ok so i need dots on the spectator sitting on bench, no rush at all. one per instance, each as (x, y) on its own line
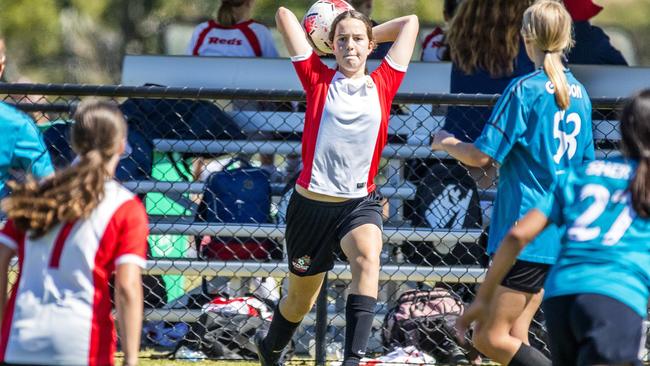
(235, 34)
(592, 46)
(434, 47)
(487, 52)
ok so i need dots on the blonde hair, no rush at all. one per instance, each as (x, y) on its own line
(484, 34)
(225, 14)
(548, 25)
(76, 191)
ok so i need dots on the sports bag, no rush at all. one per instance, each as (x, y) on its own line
(226, 327)
(237, 195)
(425, 319)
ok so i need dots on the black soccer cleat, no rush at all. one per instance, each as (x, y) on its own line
(267, 358)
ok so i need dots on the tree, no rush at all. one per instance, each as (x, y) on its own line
(81, 41)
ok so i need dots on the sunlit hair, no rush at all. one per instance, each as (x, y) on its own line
(225, 14)
(548, 25)
(350, 14)
(484, 34)
(635, 144)
(74, 192)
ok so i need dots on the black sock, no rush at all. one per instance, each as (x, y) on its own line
(529, 356)
(280, 333)
(359, 314)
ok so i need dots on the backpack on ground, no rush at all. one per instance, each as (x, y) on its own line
(425, 319)
(226, 327)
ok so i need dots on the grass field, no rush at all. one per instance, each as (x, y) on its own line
(149, 357)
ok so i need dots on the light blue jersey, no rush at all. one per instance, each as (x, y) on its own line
(606, 247)
(534, 141)
(21, 146)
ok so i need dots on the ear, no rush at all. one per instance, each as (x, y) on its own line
(372, 45)
(122, 147)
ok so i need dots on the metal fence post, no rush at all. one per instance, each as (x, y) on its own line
(321, 324)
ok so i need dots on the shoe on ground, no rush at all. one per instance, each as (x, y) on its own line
(266, 357)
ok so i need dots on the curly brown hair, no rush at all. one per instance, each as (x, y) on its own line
(484, 34)
(76, 191)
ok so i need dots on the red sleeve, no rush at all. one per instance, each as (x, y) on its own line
(10, 236)
(310, 70)
(132, 227)
(388, 77)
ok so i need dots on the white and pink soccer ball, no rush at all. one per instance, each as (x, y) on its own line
(318, 21)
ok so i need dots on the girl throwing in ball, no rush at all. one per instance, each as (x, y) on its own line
(335, 204)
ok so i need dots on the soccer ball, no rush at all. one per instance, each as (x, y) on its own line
(318, 21)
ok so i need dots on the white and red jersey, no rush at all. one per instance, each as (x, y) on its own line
(433, 46)
(246, 39)
(59, 312)
(346, 126)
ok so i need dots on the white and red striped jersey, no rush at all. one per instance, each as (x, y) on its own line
(59, 311)
(433, 46)
(346, 126)
(246, 39)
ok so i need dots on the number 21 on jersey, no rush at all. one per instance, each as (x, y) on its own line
(582, 229)
(568, 143)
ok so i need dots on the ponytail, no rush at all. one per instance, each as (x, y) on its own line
(97, 135)
(226, 14)
(640, 187)
(635, 144)
(548, 25)
(71, 194)
(554, 69)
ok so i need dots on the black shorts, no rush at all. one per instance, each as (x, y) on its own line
(590, 329)
(526, 276)
(315, 229)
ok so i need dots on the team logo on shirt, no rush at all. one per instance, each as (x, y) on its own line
(231, 41)
(369, 83)
(301, 264)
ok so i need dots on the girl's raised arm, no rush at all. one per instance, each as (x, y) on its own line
(403, 32)
(294, 36)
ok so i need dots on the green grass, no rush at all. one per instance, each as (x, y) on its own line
(150, 357)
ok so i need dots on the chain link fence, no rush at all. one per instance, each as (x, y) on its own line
(215, 169)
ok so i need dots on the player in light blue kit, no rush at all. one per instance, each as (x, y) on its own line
(539, 129)
(21, 144)
(597, 292)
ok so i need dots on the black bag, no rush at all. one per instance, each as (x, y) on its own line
(447, 198)
(229, 334)
(225, 337)
(425, 319)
